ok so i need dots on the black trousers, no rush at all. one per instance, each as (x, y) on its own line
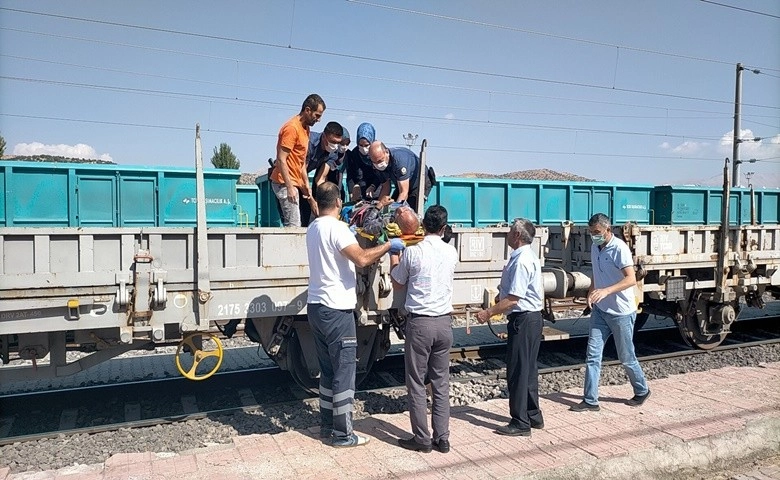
(522, 370)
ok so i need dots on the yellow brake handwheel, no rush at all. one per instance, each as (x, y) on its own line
(199, 355)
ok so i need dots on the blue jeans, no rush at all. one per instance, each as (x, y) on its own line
(602, 325)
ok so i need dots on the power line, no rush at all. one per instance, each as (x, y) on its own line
(366, 112)
(550, 35)
(759, 123)
(430, 145)
(718, 115)
(373, 59)
(741, 9)
(129, 124)
(372, 78)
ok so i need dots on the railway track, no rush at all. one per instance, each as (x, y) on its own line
(35, 416)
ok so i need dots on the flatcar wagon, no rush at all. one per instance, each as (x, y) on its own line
(106, 259)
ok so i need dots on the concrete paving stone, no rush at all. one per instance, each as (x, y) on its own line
(139, 469)
(218, 458)
(164, 467)
(534, 460)
(566, 454)
(4, 471)
(438, 460)
(304, 463)
(117, 471)
(275, 470)
(375, 470)
(405, 463)
(461, 470)
(429, 475)
(48, 474)
(127, 458)
(601, 448)
(83, 476)
(477, 452)
(185, 464)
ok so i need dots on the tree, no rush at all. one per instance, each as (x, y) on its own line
(2, 146)
(224, 158)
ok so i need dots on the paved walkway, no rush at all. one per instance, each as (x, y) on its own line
(709, 420)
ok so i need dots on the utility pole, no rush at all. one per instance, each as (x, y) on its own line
(737, 111)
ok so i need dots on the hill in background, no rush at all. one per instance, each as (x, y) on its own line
(54, 158)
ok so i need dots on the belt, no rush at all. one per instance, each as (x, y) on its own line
(517, 314)
(416, 315)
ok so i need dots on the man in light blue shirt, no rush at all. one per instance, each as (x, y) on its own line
(521, 294)
(611, 298)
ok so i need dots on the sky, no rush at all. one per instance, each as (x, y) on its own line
(622, 91)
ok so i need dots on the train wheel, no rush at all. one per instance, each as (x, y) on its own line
(199, 356)
(694, 336)
(303, 377)
(641, 320)
(298, 369)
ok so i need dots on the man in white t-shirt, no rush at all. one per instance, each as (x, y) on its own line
(333, 253)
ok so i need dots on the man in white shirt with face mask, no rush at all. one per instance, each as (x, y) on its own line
(611, 297)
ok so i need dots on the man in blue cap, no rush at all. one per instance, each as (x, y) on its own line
(363, 181)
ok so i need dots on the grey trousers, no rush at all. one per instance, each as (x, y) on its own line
(291, 213)
(336, 341)
(427, 354)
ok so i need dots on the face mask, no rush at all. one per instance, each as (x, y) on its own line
(331, 147)
(342, 148)
(598, 240)
(380, 166)
(363, 151)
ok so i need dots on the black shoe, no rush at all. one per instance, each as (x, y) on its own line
(638, 400)
(584, 406)
(326, 433)
(537, 425)
(413, 445)
(513, 431)
(442, 446)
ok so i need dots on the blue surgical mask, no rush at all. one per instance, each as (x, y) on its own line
(598, 240)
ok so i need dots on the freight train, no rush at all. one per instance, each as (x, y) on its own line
(104, 259)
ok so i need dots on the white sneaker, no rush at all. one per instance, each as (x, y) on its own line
(351, 441)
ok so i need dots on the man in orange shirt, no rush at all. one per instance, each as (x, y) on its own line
(289, 178)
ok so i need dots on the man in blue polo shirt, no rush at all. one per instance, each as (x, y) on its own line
(403, 168)
(521, 295)
(611, 298)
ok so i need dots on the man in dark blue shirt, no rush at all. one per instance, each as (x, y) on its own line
(403, 168)
(323, 148)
